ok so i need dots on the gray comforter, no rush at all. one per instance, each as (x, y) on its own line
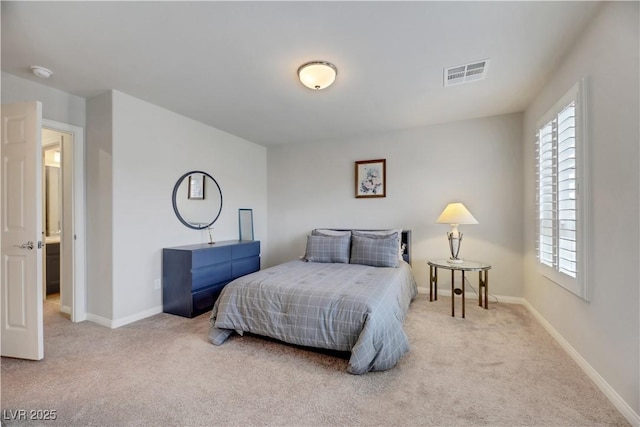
(343, 307)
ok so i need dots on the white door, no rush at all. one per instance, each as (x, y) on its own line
(21, 266)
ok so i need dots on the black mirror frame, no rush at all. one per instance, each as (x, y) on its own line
(175, 206)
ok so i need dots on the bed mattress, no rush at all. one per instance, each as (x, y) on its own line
(337, 306)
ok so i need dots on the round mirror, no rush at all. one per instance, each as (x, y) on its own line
(197, 200)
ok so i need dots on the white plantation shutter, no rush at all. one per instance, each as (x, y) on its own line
(547, 205)
(561, 219)
(566, 191)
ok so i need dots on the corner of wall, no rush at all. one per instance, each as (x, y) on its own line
(99, 207)
(600, 382)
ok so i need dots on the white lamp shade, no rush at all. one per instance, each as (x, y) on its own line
(317, 75)
(456, 213)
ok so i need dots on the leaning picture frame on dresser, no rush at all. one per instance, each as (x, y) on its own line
(245, 224)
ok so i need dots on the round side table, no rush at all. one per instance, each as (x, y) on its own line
(483, 276)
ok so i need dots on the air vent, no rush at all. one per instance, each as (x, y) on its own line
(466, 73)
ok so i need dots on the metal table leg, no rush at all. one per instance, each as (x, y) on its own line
(453, 310)
(433, 283)
(463, 294)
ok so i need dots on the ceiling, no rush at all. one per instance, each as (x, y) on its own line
(233, 65)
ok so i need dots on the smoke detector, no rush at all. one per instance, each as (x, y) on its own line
(43, 73)
(466, 73)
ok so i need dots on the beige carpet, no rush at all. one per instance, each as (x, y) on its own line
(497, 367)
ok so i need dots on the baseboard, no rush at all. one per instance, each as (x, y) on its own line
(422, 290)
(135, 317)
(473, 295)
(99, 320)
(67, 310)
(113, 324)
(612, 395)
(81, 318)
(608, 391)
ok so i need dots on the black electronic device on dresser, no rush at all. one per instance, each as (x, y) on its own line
(194, 275)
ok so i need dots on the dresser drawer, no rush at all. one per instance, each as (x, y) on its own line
(245, 266)
(243, 250)
(203, 300)
(211, 255)
(210, 275)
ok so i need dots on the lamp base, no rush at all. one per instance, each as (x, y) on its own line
(455, 238)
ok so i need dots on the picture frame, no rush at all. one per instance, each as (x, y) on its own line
(196, 187)
(371, 178)
(245, 224)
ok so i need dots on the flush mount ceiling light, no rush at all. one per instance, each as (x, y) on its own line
(43, 73)
(317, 75)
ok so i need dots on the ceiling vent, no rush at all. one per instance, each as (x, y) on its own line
(466, 73)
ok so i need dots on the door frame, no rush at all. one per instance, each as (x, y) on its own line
(76, 172)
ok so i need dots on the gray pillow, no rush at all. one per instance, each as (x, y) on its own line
(330, 232)
(377, 251)
(383, 234)
(328, 249)
(376, 233)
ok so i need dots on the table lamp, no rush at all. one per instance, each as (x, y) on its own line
(455, 214)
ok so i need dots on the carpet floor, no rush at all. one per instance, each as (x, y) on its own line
(497, 367)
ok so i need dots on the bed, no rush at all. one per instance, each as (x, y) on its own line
(350, 293)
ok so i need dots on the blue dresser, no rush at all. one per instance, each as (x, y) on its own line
(194, 275)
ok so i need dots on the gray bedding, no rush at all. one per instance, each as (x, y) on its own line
(344, 307)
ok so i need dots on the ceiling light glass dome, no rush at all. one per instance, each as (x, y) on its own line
(317, 75)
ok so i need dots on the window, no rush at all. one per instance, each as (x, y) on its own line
(561, 193)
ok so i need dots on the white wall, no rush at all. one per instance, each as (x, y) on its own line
(135, 153)
(57, 105)
(478, 162)
(99, 221)
(605, 332)
(152, 148)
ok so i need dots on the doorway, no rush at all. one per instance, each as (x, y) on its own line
(64, 217)
(53, 216)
